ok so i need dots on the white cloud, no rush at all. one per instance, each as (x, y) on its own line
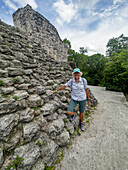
(116, 1)
(66, 12)
(10, 4)
(97, 40)
(88, 4)
(14, 4)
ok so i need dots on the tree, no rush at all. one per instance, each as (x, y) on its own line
(116, 72)
(115, 45)
(67, 42)
(95, 68)
(82, 50)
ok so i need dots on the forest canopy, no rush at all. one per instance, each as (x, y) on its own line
(110, 71)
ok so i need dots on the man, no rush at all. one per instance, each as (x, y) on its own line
(80, 95)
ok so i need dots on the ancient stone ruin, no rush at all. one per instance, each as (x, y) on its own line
(42, 31)
(34, 125)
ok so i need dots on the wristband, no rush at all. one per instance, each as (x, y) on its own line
(56, 91)
(88, 99)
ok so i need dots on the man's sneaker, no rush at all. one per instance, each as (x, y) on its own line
(82, 126)
(73, 117)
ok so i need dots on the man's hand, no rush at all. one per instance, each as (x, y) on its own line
(89, 103)
(53, 92)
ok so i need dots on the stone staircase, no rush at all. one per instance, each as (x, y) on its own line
(33, 121)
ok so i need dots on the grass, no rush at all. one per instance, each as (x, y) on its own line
(16, 80)
(15, 163)
(15, 97)
(1, 83)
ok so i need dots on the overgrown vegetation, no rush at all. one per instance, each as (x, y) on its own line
(110, 71)
(15, 163)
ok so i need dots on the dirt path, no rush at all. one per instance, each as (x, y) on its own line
(104, 145)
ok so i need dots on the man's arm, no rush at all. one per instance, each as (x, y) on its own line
(88, 97)
(60, 88)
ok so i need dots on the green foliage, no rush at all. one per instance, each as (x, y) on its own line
(64, 120)
(35, 108)
(15, 97)
(95, 69)
(16, 80)
(15, 163)
(82, 50)
(5, 95)
(116, 72)
(1, 83)
(115, 45)
(49, 167)
(67, 42)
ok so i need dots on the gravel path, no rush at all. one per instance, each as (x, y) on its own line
(104, 145)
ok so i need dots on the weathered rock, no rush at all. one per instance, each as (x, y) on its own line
(40, 90)
(39, 165)
(30, 130)
(1, 154)
(76, 122)
(26, 115)
(8, 107)
(70, 127)
(48, 152)
(3, 73)
(7, 90)
(48, 109)
(52, 117)
(58, 124)
(23, 86)
(63, 138)
(34, 101)
(15, 71)
(13, 141)
(30, 153)
(7, 123)
(21, 94)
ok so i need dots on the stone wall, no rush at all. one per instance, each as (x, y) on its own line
(42, 30)
(33, 122)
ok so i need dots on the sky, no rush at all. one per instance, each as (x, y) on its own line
(85, 23)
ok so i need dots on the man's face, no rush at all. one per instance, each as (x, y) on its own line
(76, 74)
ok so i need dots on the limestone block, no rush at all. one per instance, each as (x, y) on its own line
(16, 63)
(70, 127)
(35, 100)
(76, 122)
(40, 90)
(39, 165)
(58, 124)
(26, 115)
(28, 71)
(3, 64)
(30, 153)
(7, 123)
(15, 71)
(3, 73)
(63, 99)
(21, 94)
(52, 117)
(48, 151)
(13, 141)
(7, 90)
(48, 109)
(63, 138)
(30, 130)
(8, 107)
(7, 81)
(52, 132)
(1, 154)
(23, 86)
